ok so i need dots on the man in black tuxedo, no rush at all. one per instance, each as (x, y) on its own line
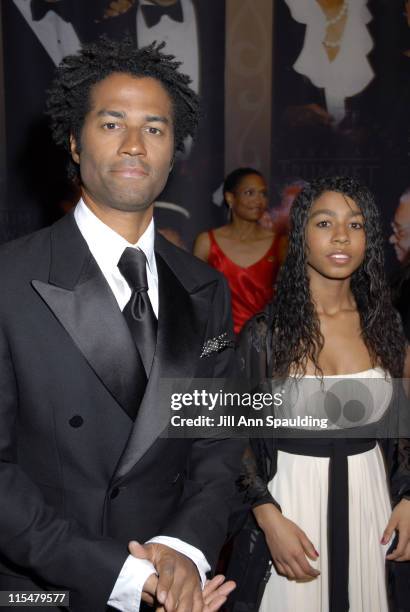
(94, 312)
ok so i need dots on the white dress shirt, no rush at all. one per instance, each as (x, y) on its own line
(106, 247)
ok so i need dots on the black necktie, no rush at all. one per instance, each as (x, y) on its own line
(153, 13)
(138, 311)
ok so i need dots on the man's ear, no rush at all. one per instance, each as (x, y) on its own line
(74, 149)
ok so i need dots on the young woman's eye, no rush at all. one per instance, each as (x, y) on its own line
(357, 225)
(323, 224)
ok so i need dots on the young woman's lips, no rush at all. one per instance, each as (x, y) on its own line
(339, 259)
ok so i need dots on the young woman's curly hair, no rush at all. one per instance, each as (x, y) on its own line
(69, 96)
(296, 329)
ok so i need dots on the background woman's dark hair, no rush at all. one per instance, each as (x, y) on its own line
(296, 329)
(234, 178)
(69, 96)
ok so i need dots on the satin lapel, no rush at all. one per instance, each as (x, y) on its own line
(81, 300)
(182, 323)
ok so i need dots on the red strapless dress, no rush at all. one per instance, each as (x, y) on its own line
(251, 287)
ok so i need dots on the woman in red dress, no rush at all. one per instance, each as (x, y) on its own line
(247, 254)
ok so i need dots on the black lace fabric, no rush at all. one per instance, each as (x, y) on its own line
(252, 355)
(401, 473)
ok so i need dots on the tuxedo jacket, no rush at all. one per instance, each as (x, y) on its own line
(78, 477)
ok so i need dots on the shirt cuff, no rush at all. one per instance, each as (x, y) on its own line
(196, 556)
(127, 591)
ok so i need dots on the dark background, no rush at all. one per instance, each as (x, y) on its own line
(373, 144)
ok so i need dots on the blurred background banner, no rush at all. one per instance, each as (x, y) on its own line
(2, 125)
(341, 85)
(295, 89)
(37, 34)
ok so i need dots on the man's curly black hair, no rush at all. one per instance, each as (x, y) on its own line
(297, 337)
(69, 96)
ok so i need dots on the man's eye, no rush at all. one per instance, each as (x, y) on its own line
(153, 130)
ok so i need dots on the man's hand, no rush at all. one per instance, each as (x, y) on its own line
(216, 593)
(149, 589)
(150, 585)
(178, 579)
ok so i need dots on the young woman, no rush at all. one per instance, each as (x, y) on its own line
(247, 254)
(331, 319)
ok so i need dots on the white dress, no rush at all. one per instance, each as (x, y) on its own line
(300, 486)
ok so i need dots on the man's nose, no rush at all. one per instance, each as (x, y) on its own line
(133, 143)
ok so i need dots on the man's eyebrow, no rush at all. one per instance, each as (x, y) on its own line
(104, 112)
(158, 118)
(331, 213)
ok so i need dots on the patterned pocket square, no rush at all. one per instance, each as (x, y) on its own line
(216, 345)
